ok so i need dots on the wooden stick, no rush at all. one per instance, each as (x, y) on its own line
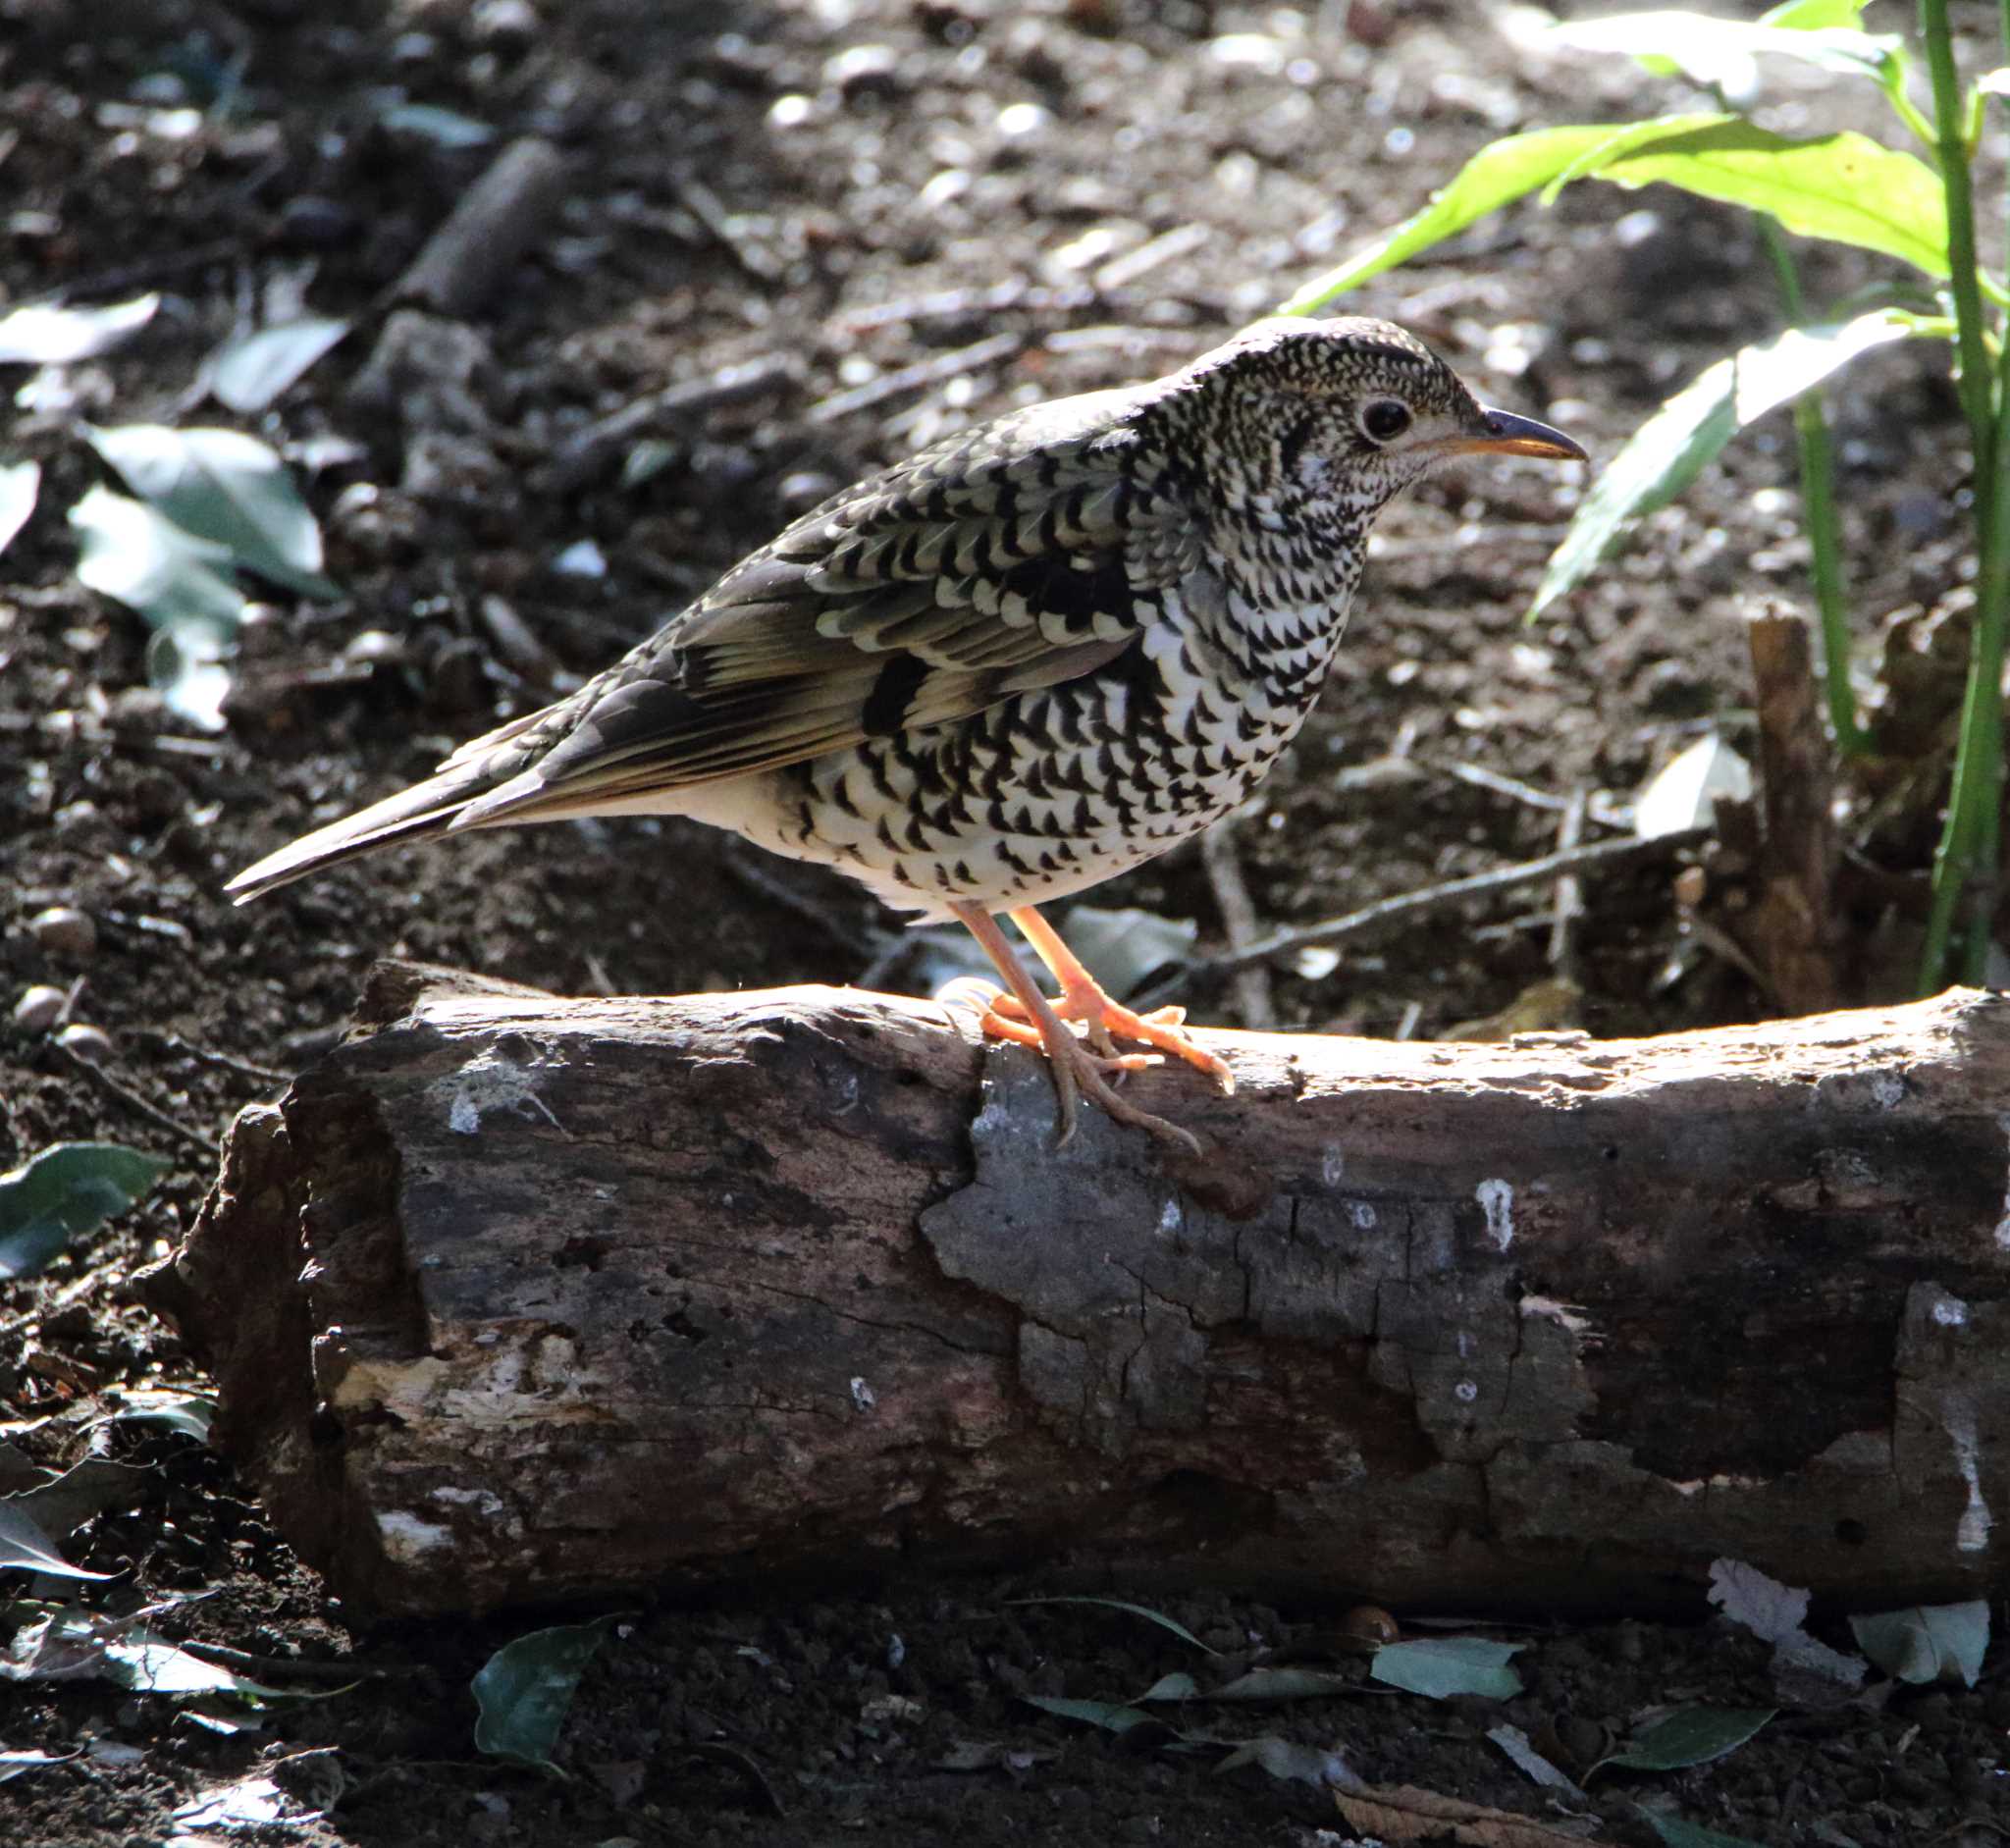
(497, 220)
(1793, 933)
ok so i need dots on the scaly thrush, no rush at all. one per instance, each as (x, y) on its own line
(1024, 660)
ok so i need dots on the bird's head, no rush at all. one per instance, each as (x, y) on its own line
(1346, 412)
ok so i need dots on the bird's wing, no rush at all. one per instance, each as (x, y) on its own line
(1014, 558)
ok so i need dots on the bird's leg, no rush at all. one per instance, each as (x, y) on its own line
(1077, 1069)
(1082, 999)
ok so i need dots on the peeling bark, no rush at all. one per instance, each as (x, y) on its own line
(527, 1298)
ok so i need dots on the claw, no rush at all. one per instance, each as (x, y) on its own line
(1082, 1065)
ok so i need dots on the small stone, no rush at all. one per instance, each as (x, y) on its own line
(512, 22)
(374, 648)
(1584, 1740)
(861, 70)
(89, 1042)
(309, 222)
(38, 1008)
(65, 933)
(1368, 1627)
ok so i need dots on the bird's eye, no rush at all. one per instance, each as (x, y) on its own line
(1384, 419)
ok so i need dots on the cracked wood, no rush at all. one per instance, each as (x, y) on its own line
(521, 1298)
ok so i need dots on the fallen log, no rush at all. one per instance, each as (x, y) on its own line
(514, 1298)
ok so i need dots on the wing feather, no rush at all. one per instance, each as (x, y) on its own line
(1019, 557)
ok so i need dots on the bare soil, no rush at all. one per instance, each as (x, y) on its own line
(840, 191)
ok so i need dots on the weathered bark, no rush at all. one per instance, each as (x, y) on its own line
(519, 1297)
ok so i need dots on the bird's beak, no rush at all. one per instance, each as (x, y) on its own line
(1502, 433)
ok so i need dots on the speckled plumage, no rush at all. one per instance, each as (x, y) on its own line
(1024, 660)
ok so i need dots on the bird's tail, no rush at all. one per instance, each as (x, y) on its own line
(416, 814)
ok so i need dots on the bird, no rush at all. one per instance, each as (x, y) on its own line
(1032, 656)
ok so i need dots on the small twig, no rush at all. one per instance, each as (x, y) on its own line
(1436, 897)
(1569, 907)
(1239, 919)
(204, 1055)
(914, 378)
(1166, 248)
(726, 231)
(757, 872)
(155, 268)
(957, 304)
(1599, 805)
(745, 1762)
(585, 452)
(498, 218)
(246, 1663)
(132, 1100)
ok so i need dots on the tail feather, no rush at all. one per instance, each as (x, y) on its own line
(416, 814)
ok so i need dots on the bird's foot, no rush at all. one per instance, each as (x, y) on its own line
(1085, 1067)
(1105, 1022)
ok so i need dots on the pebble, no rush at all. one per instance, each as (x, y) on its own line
(38, 1008)
(86, 1041)
(1584, 1739)
(1629, 1641)
(1368, 1626)
(65, 933)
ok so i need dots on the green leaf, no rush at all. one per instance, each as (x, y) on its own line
(136, 553)
(1927, 1642)
(1672, 446)
(1497, 176)
(1677, 1833)
(1110, 1716)
(1445, 1666)
(189, 1414)
(1284, 1684)
(1118, 1603)
(1287, 1760)
(66, 1643)
(26, 1548)
(68, 1189)
(249, 370)
(525, 1690)
(1713, 51)
(39, 334)
(227, 488)
(1845, 187)
(19, 485)
(64, 1503)
(1814, 16)
(186, 664)
(1692, 1735)
(1179, 1686)
(14, 1763)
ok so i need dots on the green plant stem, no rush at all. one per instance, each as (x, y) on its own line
(1908, 111)
(1954, 176)
(1965, 867)
(1817, 514)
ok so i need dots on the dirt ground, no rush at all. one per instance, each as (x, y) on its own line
(833, 192)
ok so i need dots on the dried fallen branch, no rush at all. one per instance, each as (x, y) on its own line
(582, 455)
(1403, 907)
(497, 222)
(525, 1298)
